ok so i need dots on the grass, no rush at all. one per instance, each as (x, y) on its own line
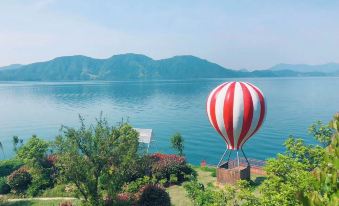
(206, 175)
(178, 193)
(58, 191)
(178, 196)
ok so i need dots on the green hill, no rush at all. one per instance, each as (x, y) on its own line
(322, 68)
(130, 67)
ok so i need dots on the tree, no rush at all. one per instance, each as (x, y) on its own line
(310, 156)
(33, 152)
(322, 133)
(288, 181)
(2, 149)
(305, 174)
(327, 173)
(96, 158)
(34, 155)
(177, 142)
(16, 140)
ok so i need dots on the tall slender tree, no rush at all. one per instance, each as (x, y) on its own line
(177, 142)
(2, 149)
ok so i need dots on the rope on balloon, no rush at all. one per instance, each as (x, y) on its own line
(229, 155)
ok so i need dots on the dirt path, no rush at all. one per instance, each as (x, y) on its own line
(41, 198)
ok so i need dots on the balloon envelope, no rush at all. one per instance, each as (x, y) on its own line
(236, 110)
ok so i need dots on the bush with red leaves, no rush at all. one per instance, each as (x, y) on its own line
(165, 165)
(50, 167)
(67, 203)
(19, 180)
(124, 199)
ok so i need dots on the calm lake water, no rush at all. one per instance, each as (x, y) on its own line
(167, 107)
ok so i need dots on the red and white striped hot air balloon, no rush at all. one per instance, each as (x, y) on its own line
(236, 110)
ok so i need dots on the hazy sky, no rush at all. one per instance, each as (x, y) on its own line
(235, 34)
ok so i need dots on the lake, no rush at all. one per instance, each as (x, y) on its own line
(167, 107)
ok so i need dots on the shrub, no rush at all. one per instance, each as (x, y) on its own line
(9, 166)
(153, 195)
(19, 180)
(135, 186)
(67, 203)
(4, 187)
(229, 195)
(173, 179)
(43, 175)
(38, 184)
(124, 199)
(49, 166)
(141, 168)
(194, 189)
(165, 165)
(163, 182)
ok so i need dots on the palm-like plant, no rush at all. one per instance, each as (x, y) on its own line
(2, 149)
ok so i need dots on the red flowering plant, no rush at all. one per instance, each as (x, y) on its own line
(19, 180)
(48, 168)
(123, 199)
(166, 165)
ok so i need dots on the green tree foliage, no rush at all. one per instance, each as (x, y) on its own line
(308, 155)
(177, 142)
(288, 180)
(34, 155)
(304, 174)
(33, 152)
(96, 158)
(17, 142)
(135, 186)
(2, 149)
(9, 166)
(322, 133)
(327, 174)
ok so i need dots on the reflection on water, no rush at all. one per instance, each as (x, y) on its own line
(167, 107)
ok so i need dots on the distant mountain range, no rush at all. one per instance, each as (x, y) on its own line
(323, 68)
(141, 67)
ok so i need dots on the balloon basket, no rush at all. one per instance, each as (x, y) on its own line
(228, 175)
(231, 171)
